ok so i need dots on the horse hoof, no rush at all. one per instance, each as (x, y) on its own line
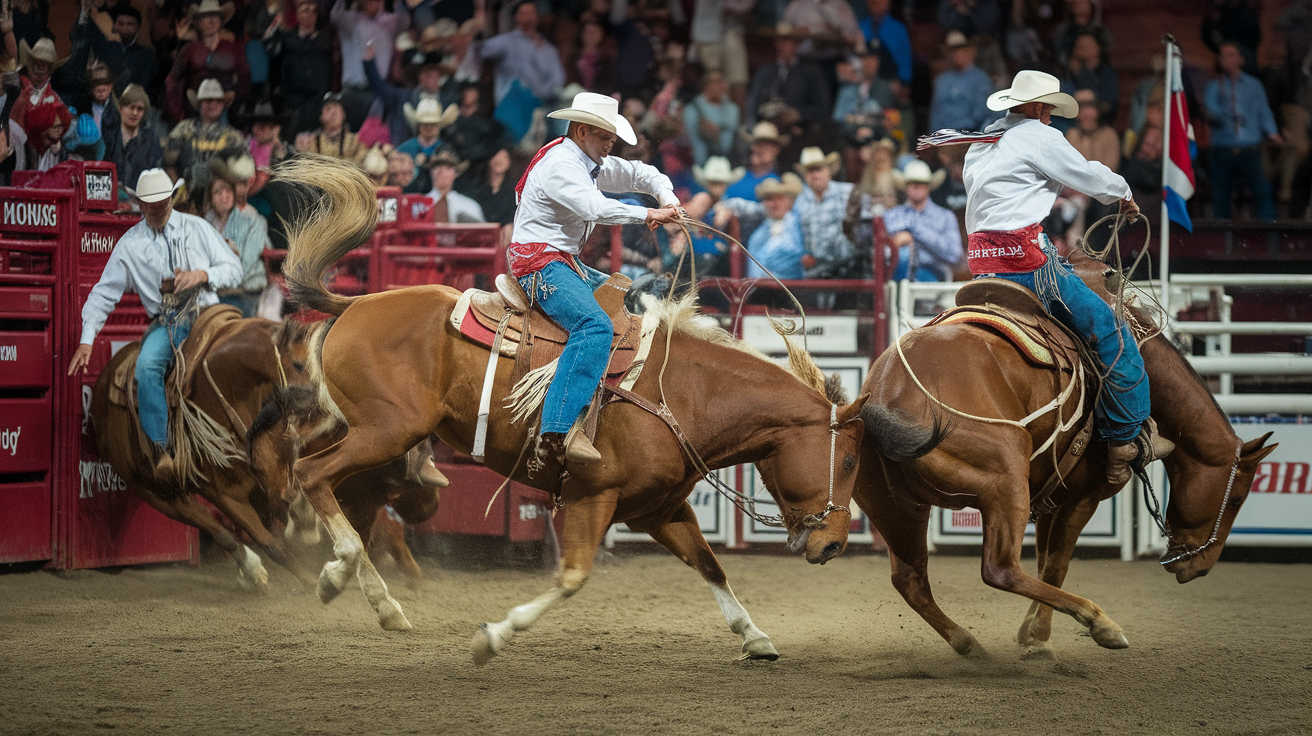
(326, 588)
(391, 618)
(1038, 650)
(759, 649)
(256, 581)
(967, 646)
(487, 643)
(1109, 636)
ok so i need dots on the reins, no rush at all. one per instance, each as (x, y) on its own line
(1155, 511)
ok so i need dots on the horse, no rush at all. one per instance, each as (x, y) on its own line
(915, 457)
(394, 370)
(243, 363)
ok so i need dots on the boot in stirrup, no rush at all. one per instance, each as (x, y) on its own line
(1125, 457)
(166, 472)
(577, 447)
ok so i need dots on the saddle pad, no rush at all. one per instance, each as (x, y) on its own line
(1002, 294)
(1031, 348)
(121, 389)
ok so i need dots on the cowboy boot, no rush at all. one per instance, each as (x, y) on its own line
(1124, 457)
(166, 472)
(578, 449)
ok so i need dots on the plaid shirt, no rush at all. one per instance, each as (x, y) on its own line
(822, 230)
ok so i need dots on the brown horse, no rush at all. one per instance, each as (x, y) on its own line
(244, 359)
(915, 457)
(395, 370)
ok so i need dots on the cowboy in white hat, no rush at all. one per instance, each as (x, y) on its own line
(166, 253)
(777, 242)
(925, 233)
(193, 142)
(428, 119)
(822, 208)
(1013, 173)
(560, 199)
(762, 159)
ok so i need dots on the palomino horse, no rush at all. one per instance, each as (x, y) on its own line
(395, 370)
(913, 459)
(246, 360)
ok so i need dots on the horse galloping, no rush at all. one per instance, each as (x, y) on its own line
(395, 369)
(913, 458)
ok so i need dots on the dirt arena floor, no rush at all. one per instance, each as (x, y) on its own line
(643, 650)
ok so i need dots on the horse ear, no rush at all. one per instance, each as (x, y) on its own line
(1254, 451)
(852, 410)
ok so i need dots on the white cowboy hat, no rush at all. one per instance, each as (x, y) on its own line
(210, 89)
(1032, 86)
(598, 110)
(917, 172)
(430, 110)
(814, 158)
(212, 7)
(791, 186)
(766, 132)
(44, 50)
(154, 185)
(717, 171)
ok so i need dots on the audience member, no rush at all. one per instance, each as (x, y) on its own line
(246, 233)
(788, 89)
(38, 64)
(593, 67)
(1238, 22)
(777, 244)
(494, 190)
(879, 178)
(961, 90)
(194, 141)
(402, 172)
(266, 146)
(709, 250)
(208, 57)
(828, 28)
(362, 25)
(1095, 140)
(304, 56)
(1087, 69)
(31, 21)
(1142, 169)
(448, 204)
(428, 122)
(924, 233)
(129, 61)
(970, 17)
(861, 103)
(45, 128)
(134, 144)
(1081, 19)
(717, 37)
(762, 161)
(893, 38)
(822, 208)
(474, 136)
(710, 120)
(332, 138)
(1241, 121)
(528, 70)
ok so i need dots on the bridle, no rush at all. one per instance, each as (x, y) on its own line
(1155, 510)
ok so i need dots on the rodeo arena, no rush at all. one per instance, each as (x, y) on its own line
(343, 341)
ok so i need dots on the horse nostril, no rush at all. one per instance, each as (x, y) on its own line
(833, 549)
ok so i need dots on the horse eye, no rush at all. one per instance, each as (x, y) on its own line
(298, 365)
(849, 462)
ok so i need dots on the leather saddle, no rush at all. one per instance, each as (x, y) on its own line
(478, 315)
(1014, 312)
(208, 324)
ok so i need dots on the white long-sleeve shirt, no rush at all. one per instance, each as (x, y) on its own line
(143, 257)
(1013, 183)
(561, 202)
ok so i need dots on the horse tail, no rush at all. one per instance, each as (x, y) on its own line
(901, 439)
(341, 218)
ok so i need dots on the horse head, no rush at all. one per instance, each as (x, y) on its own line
(811, 475)
(1205, 499)
(294, 342)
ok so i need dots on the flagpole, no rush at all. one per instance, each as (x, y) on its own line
(1165, 228)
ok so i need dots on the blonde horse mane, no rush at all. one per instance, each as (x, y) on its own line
(681, 315)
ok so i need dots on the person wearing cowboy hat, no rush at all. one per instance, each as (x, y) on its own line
(428, 121)
(194, 141)
(960, 89)
(245, 230)
(788, 87)
(1013, 172)
(305, 54)
(923, 232)
(39, 62)
(560, 199)
(207, 57)
(427, 72)
(777, 242)
(821, 208)
(764, 144)
(709, 250)
(448, 204)
(167, 252)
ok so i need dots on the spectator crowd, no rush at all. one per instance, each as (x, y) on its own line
(789, 123)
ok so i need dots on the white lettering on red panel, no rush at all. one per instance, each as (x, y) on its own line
(30, 214)
(1283, 477)
(9, 440)
(98, 477)
(97, 243)
(9, 353)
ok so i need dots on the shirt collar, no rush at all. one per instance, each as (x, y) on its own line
(592, 166)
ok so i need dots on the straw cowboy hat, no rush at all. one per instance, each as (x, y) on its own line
(430, 110)
(790, 186)
(210, 89)
(154, 185)
(212, 7)
(447, 158)
(236, 170)
(814, 158)
(788, 31)
(375, 162)
(598, 110)
(1032, 86)
(955, 40)
(717, 171)
(917, 172)
(766, 132)
(44, 50)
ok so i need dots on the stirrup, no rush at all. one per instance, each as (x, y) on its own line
(513, 294)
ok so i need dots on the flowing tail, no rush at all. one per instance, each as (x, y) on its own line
(341, 218)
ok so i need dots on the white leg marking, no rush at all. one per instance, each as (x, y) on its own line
(250, 571)
(390, 616)
(349, 549)
(756, 645)
(491, 638)
(302, 522)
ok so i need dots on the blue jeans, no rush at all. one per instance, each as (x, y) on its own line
(152, 366)
(567, 298)
(1124, 402)
(1244, 164)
